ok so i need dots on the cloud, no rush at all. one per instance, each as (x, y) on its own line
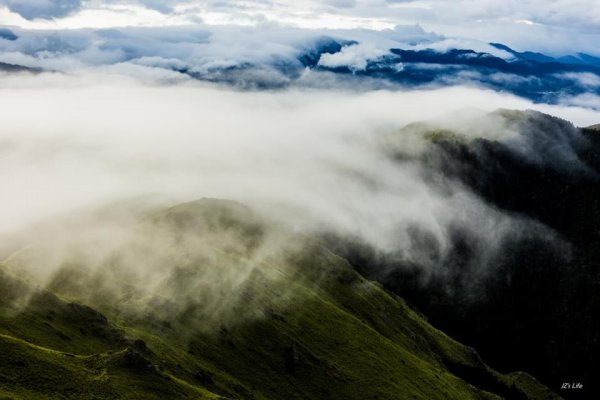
(100, 148)
(583, 79)
(293, 150)
(411, 35)
(566, 26)
(342, 3)
(121, 121)
(445, 44)
(46, 9)
(587, 100)
(164, 7)
(354, 57)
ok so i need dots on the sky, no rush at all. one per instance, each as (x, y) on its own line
(555, 27)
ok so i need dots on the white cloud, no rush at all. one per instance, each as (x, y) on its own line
(584, 79)
(310, 160)
(587, 100)
(355, 57)
(557, 26)
(85, 140)
(445, 44)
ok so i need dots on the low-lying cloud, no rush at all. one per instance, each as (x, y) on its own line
(308, 161)
(69, 142)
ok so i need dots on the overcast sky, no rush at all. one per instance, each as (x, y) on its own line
(556, 26)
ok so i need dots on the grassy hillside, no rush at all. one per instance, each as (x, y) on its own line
(235, 309)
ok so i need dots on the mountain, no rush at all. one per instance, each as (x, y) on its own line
(580, 58)
(206, 300)
(7, 34)
(529, 75)
(537, 308)
(576, 59)
(5, 67)
(526, 55)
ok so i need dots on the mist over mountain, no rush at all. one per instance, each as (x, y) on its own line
(443, 209)
(205, 300)
(323, 200)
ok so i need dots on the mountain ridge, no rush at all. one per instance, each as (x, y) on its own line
(321, 345)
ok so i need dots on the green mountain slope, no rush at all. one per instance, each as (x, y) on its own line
(223, 305)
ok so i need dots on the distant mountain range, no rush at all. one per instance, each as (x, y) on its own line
(531, 75)
(300, 59)
(534, 76)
